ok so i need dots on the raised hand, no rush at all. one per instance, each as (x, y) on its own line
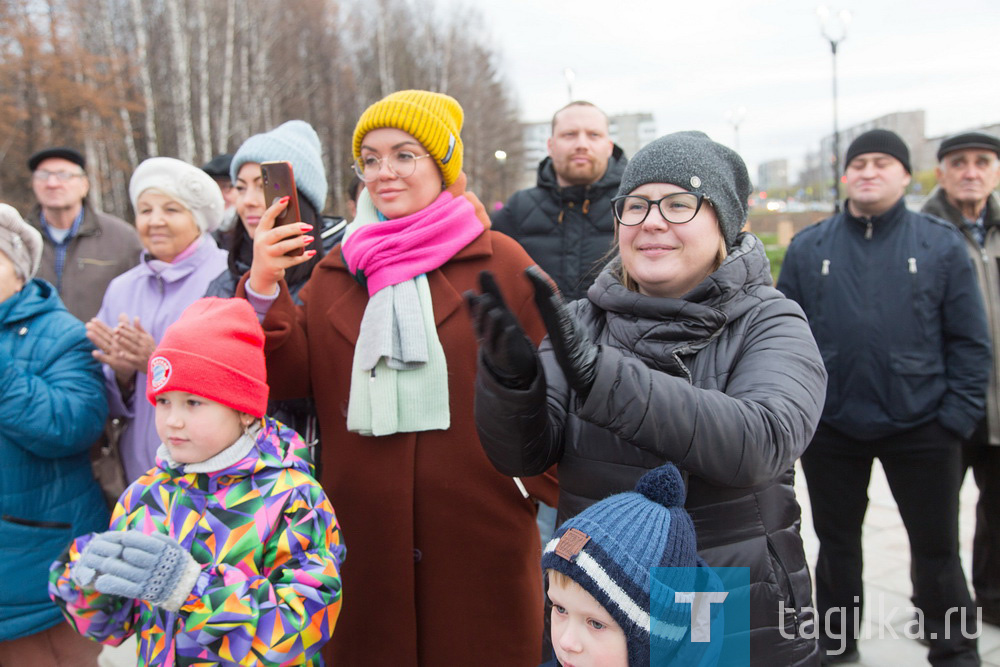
(270, 245)
(506, 351)
(576, 353)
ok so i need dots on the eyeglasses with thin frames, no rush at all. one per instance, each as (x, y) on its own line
(61, 176)
(400, 163)
(676, 208)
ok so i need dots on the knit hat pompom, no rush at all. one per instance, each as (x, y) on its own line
(663, 485)
(294, 141)
(609, 548)
(691, 160)
(21, 242)
(435, 120)
(214, 350)
(186, 183)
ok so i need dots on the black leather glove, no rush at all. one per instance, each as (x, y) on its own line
(576, 354)
(504, 348)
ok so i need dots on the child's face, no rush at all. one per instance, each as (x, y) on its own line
(583, 633)
(195, 428)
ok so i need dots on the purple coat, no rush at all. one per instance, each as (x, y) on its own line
(158, 300)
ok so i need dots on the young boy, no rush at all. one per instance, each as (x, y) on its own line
(228, 552)
(600, 585)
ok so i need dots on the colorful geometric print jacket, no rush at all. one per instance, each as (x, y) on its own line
(269, 592)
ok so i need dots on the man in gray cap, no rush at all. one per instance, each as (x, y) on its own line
(83, 249)
(968, 173)
(892, 300)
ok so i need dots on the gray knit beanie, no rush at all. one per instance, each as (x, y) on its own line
(692, 161)
(20, 242)
(297, 142)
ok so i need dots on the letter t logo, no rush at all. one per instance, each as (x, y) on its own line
(701, 611)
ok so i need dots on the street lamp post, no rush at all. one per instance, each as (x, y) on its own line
(834, 27)
(735, 117)
(570, 78)
(501, 157)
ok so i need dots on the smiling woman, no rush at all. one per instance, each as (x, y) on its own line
(176, 205)
(383, 345)
(681, 352)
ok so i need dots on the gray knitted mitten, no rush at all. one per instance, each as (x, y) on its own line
(132, 564)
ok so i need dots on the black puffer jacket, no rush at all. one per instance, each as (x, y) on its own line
(728, 384)
(568, 231)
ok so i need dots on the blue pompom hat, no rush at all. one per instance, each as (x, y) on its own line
(297, 142)
(609, 548)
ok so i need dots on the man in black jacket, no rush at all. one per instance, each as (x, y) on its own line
(892, 300)
(968, 173)
(565, 222)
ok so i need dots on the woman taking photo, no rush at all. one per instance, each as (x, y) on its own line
(176, 206)
(440, 545)
(682, 352)
(297, 142)
(52, 408)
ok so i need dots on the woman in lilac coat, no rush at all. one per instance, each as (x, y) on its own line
(176, 207)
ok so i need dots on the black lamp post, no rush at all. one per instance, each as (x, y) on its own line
(834, 26)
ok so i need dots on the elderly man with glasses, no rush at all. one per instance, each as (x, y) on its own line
(84, 249)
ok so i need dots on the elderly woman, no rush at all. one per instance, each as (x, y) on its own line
(176, 206)
(443, 549)
(683, 352)
(52, 408)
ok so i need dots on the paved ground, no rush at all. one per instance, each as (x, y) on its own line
(887, 577)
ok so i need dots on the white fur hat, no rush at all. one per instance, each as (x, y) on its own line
(184, 182)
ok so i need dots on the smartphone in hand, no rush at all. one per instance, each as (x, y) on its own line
(279, 181)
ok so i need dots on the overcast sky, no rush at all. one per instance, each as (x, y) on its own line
(690, 62)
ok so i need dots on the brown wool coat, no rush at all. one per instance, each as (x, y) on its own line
(443, 552)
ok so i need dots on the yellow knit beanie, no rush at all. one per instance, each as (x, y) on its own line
(435, 120)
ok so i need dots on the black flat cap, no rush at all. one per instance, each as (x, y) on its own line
(969, 140)
(63, 152)
(218, 167)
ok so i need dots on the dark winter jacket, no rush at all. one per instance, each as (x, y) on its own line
(986, 259)
(104, 248)
(567, 231)
(727, 383)
(895, 308)
(52, 408)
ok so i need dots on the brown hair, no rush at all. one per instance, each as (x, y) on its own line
(578, 103)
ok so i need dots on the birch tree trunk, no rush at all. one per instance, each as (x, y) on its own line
(145, 80)
(204, 103)
(182, 73)
(118, 76)
(227, 78)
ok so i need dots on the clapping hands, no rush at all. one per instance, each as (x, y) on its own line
(126, 348)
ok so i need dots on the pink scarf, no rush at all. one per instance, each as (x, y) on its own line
(390, 252)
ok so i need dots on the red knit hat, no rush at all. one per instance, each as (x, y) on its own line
(215, 350)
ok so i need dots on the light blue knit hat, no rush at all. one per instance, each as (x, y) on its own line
(297, 142)
(609, 548)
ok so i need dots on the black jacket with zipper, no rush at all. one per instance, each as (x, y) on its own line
(896, 311)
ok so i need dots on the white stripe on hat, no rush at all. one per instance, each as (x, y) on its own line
(630, 607)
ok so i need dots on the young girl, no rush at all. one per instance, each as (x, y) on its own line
(228, 551)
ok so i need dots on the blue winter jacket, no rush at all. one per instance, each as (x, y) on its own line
(896, 311)
(52, 408)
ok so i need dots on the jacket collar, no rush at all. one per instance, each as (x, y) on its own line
(890, 218)
(609, 182)
(938, 204)
(347, 310)
(88, 226)
(185, 267)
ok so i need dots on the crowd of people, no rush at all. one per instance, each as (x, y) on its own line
(339, 438)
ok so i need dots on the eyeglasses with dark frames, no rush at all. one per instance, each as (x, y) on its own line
(677, 208)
